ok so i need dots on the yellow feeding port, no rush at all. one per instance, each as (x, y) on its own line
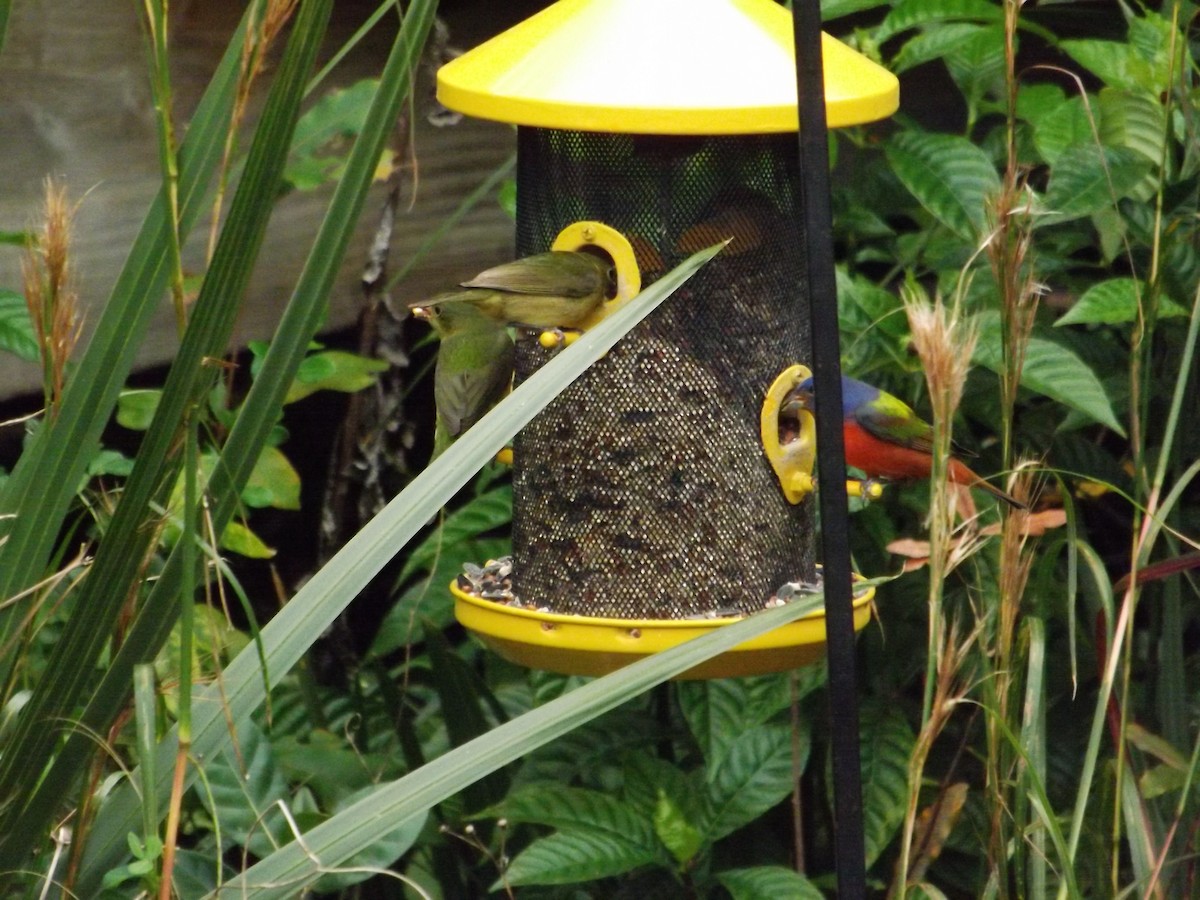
(659, 67)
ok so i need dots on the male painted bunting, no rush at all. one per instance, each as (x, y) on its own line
(885, 438)
(558, 289)
(474, 367)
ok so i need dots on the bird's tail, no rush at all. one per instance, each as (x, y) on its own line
(960, 474)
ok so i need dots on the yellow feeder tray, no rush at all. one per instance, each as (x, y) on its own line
(583, 645)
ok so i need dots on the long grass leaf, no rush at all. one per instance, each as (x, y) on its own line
(1138, 828)
(1182, 390)
(146, 707)
(294, 629)
(302, 317)
(1087, 770)
(1033, 738)
(38, 492)
(282, 873)
(115, 573)
(1040, 801)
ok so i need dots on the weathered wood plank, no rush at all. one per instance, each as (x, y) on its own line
(75, 104)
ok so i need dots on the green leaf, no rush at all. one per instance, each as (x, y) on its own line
(429, 596)
(379, 854)
(714, 710)
(886, 740)
(1037, 100)
(1067, 124)
(1140, 63)
(135, 409)
(1112, 231)
(864, 305)
(506, 197)
(109, 462)
(462, 695)
(647, 777)
(238, 538)
(490, 510)
(1137, 122)
(1088, 178)
(571, 808)
(236, 535)
(243, 788)
(117, 876)
(16, 327)
(932, 45)
(768, 883)
(1114, 302)
(196, 873)
(569, 857)
(1134, 120)
(1161, 779)
(274, 482)
(908, 14)
(757, 773)
(977, 66)
(1051, 370)
(214, 641)
(1157, 746)
(836, 9)
(338, 114)
(1116, 63)
(326, 764)
(334, 370)
(677, 833)
(770, 694)
(719, 710)
(950, 176)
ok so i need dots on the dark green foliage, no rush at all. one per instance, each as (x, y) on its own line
(431, 759)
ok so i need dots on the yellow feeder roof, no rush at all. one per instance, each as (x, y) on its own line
(659, 67)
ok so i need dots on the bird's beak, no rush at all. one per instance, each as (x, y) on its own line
(422, 312)
(793, 412)
(797, 401)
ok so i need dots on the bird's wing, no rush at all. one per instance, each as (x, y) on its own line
(560, 274)
(890, 419)
(474, 369)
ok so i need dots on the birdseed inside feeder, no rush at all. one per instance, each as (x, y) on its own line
(644, 492)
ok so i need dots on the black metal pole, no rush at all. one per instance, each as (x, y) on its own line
(831, 456)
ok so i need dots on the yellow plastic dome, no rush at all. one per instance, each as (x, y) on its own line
(659, 67)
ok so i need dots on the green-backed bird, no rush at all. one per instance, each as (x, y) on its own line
(474, 367)
(558, 289)
(885, 438)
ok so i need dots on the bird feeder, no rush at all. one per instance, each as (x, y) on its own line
(648, 493)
